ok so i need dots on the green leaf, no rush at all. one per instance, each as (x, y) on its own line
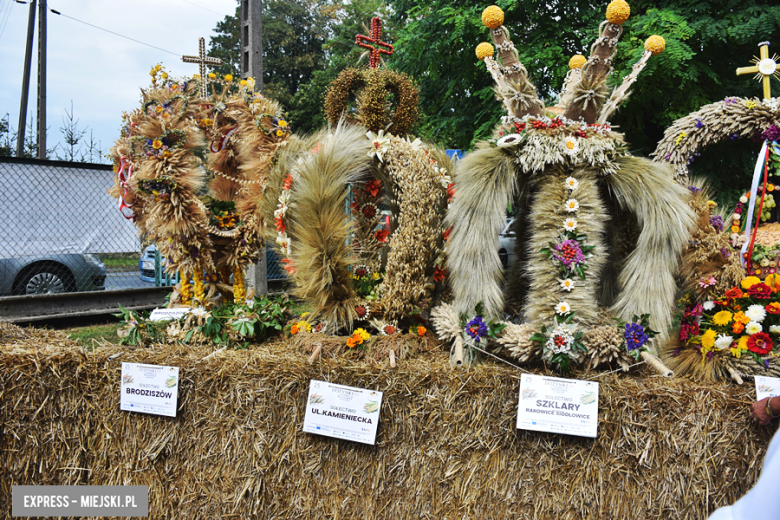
(538, 338)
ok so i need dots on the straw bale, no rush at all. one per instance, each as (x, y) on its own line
(447, 447)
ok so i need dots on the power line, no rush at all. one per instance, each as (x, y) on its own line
(6, 15)
(200, 6)
(114, 33)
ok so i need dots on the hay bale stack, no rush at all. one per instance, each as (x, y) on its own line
(447, 446)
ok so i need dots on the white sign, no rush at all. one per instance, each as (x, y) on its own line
(342, 412)
(555, 405)
(150, 389)
(767, 387)
(169, 314)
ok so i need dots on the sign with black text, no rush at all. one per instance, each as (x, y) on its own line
(767, 387)
(555, 405)
(149, 389)
(169, 314)
(342, 412)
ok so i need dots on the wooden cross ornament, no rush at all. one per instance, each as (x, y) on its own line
(764, 68)
(376, 38)
(202, 60)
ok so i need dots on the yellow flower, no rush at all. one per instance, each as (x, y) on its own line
(212, 75)
(283, 123)
(242, 83)
(164, 75)
(751, 104)
(655, 44)
(196, 76)
(741, 318)
(158, 67)
(618, 11)
(484, 50)
(493, 17)
(708, 339)
(722, 318)
(156, 144)
(304, 325)
(375, 276)
(279, 133)
(362, 334)
(741, 346)
(750, 281)
(680, 138)
(159, 109)
(577, 61)
(228, 77)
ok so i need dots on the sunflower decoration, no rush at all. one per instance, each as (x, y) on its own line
(190, 166)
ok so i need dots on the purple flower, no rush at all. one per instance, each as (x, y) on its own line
(771, 134)
(699, 124)
(635, 336)
(476, 328)
(668, 156)
(724, 252)
(766, 363)
(710, 354)
(569, 253)
(717, 222)
(694, 189)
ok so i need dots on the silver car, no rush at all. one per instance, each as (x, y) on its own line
(52, 273)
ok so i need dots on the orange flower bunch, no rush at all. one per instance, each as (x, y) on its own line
(358, 337)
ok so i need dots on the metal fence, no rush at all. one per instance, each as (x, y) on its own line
(62, 232)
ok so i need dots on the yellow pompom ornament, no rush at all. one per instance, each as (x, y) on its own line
(577, 61)
(655, 44)
(484, 50)
(618, 11)
(493, 17)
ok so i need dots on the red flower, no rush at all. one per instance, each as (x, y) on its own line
(354, 206)
(761, 291)
(361, 311)
(389, 329)
(582, 134)
(760, 343)
(447, 234)
(381, 235)
(361, 272)
(519, 127)
(723, 302)
(288, 181)
(773, 308)
(373, 187)
(280, 227)
(539, 125)
(439, 274)
(320, 327)
(290, 266)
(734, 293)
(451, 192)
(369, 211)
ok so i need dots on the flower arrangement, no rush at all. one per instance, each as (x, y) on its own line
(359, 338)
(476, 329)
(743, 320)
(637, 334)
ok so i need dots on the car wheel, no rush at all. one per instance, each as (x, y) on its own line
(504, 257)
(45, 279)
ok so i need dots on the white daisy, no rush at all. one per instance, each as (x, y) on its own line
(756, 313)
(567, 284)
(563, 308)
(379, 144)
(708, 306)
(509, 140)
(753, 327)
(723, 342)
(570, 224)
(444, 179)
(571, 145)
(572, 183)
(774, 329)
(743, 199)
(199, 311)
(572, 205)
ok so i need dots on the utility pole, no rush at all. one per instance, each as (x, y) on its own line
(252, 41)
(42, 80)
(252, 66)
(26, 81)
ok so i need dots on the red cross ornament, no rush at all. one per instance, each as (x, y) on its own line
(376, 38)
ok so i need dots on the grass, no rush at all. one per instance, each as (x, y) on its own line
(120, 260)
(90, 336)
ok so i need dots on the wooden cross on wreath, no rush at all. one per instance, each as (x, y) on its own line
(764, 68)
(376, 38)
(202, 60)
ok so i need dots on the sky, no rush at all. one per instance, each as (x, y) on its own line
(99, 72)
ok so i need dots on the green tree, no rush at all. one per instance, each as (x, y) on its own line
(7, 144)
